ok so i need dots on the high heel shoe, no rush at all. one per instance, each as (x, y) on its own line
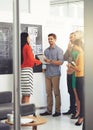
(75, 116)
(79, 122)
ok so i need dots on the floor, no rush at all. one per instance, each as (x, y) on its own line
(62, 122)
(57, 123)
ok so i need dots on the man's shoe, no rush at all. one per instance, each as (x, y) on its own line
(67, 113)
(56, 114)
(45, 114)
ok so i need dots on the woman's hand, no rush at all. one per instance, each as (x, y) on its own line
(70, 70)
(47, 60)
(70, 45)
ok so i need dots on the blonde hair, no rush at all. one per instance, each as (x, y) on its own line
(79, 34)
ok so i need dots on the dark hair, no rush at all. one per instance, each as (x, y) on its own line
(53, 35)
(24, 36)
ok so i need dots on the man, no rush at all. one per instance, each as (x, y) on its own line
(68, 57)
(54, 60)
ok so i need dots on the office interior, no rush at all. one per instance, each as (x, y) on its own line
(60, 17)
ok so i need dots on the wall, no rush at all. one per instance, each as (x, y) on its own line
(88, 65)
(40, 15)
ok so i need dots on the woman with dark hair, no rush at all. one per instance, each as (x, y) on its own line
(27, 63)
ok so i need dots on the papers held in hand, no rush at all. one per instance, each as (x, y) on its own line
(42, 58)
(73, 63)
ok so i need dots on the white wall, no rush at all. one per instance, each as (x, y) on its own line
(40, 15)
(6, 82)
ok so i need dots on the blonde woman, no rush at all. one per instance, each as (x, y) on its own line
(79, 73)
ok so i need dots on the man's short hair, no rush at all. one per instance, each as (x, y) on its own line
(53, 35)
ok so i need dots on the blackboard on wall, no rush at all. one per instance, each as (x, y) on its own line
(6, 48)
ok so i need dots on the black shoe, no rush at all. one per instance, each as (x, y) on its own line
(78, 124)
(56, 114)
(67, 113)
(45, 114)
(73, 112)
(74, 116)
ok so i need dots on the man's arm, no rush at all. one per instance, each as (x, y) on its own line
(59, 60)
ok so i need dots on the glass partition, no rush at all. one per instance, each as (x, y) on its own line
(7, 5)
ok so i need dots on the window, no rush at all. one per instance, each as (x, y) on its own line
(67, 8)
(7, 5)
